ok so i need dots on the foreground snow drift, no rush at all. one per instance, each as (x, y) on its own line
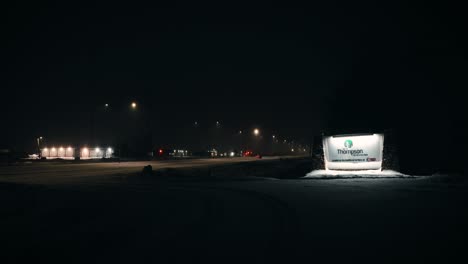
(336, 174)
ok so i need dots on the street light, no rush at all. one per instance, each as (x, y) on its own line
(134, 105)
(256, 132)
(39, 141)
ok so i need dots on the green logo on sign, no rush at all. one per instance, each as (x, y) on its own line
(348, 143)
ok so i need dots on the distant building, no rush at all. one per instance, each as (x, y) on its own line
(71, 153)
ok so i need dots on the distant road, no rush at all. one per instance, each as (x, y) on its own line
(58, 173)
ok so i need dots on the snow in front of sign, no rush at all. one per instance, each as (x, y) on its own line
(336, 174)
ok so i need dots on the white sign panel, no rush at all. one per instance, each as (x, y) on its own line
(353, 152)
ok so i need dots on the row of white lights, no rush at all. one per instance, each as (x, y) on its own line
(61, 148)
(84, 149)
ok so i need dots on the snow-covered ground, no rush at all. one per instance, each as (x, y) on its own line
(337, 174)
(107, 214)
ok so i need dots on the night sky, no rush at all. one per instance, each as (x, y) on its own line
(291, 71)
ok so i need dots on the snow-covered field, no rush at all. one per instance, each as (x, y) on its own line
(218, 218)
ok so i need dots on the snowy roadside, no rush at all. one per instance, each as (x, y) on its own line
(336, 174)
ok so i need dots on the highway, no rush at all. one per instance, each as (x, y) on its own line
(51, 172)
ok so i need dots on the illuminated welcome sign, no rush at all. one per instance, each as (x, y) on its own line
(353, 152)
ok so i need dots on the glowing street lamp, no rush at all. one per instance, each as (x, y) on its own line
(256, 132)
(134, 105)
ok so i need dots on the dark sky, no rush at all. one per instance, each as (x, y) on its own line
(291, 71)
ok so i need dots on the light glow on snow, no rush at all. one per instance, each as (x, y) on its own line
(338, 174)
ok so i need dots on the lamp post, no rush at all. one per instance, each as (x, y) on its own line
(133, 106)
(256, 140)
(217, 136)
(240, 142)
(39, 139)
(93, 115)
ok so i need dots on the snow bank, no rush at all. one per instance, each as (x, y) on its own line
(336, 174)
